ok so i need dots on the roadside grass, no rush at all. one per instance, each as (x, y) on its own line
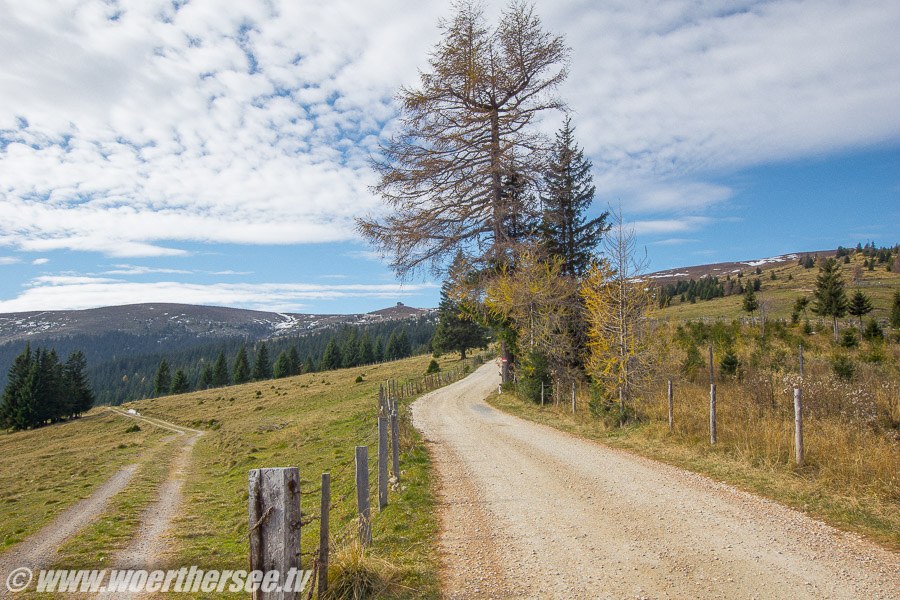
(851, 477)
(46, 470)
(313, 422)
(878, 284)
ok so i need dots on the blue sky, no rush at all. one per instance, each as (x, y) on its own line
(216, 153)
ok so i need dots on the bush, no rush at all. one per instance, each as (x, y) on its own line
(359, 379)
(535, 371)
(849, 339)
(133, 429)
(807, 328)
(692, 363)
(843, 367)
(433, 367)
(873, 331)
(730, 365)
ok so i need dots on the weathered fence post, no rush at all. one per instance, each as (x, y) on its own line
(324, 511)
(712, 400)
(362, 495)
(274, 507)
(573, 397)
(671, 408)
(798, 427)
(383, 423)
(801, 361)
(542, 393)
(395, 443)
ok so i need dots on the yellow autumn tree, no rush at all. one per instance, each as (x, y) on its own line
(616, 301)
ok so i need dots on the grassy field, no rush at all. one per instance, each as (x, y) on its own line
(43, 472)
(311, 421)
(791, 281)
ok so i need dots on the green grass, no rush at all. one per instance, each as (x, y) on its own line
(879, 285)
(312, 421)
(46, 470)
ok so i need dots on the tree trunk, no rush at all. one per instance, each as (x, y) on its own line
(504, 363)
(834, 319)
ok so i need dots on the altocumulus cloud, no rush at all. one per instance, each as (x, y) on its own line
(126, 128)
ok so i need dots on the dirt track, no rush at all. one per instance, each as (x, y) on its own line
(531, 512)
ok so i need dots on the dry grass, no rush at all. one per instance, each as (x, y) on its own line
(355, 574)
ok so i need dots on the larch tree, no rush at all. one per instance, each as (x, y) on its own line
(616, 299)
(468, 128)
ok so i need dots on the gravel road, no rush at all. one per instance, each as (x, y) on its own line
(531, 512)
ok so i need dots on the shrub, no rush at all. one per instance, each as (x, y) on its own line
(730, 365)
(535, 371)
(133, 428)
(692, 363)
(359, 379)
(843, 367)
(873, 331)
(849, 339)
(433, 367)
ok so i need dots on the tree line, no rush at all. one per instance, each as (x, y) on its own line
(40, 389)
(349, 347)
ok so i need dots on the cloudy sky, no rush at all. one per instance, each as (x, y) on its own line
(216, 152)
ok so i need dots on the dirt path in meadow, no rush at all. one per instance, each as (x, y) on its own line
(531, 512)
(153, 538)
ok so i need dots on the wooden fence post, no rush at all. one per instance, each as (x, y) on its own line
(395, 443)
(712, 414)
(542, 393)
(274, 507)
(362, 495)
(383, 423)
(324, 511)
(798, 427)
(573, 397)
(801, 361)
(671, 408)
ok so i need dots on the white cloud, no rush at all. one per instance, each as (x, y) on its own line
(8, 260)
(76, 292)
(40, 261)
(143, 270)
(127, 128)
(668, 226)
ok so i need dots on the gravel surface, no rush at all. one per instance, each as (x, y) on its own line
(528, 511)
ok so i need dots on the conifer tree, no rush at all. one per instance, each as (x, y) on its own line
(829, 297)
(378, 351)
(294, 360)
(162, 383)
(750, 302)
(81, 397)
(241, 370)
(392, 350)
(310, 366)
(895, 310)
(282, 365)
(859, 306)
(220, 371)
(404, 348)
(565, 231)
(455, 333)
(366, 352)
(206, 377)
(332, 358)
(262, 368)
(180, 383)
(15, 381)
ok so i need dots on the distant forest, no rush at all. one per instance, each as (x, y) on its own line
(122, 366)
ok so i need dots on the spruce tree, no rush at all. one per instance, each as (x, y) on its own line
(750, 302)
(391, 350)
(262, 368)
(332, 358)
(220, 371)
(564, 229)
(895, 310)
(829, 297)
(206, 377)
(310, 365)
(15, 381)
(162, 383)
(366, 352)
(180, 383)
(81, 397)
(859, 306)
(378, 351)
(455, 333)
(294, 360)
(282, 365)
(241, 369)
(404, 348)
